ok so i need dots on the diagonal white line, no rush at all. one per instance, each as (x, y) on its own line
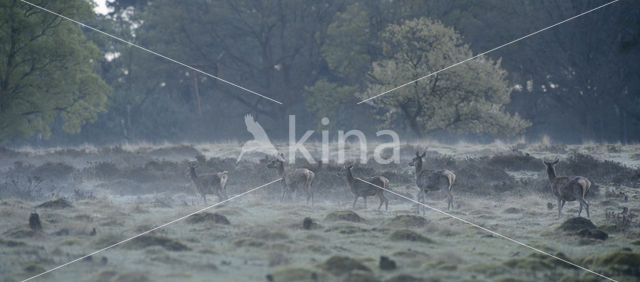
(488, 51)
(154, 53)
(152, 229)
(488, 230)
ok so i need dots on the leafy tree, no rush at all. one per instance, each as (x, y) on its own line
(468, 98)
(328, 99)
(348, 49)
(46, 69)
(271, 47)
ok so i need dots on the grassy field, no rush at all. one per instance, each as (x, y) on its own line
(88, 198)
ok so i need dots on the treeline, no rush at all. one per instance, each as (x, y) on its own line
(62, 84)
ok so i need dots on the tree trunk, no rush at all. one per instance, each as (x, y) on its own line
(624, 128)
(196, 94)
(415, 127)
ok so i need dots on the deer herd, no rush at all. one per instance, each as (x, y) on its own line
(564, 188)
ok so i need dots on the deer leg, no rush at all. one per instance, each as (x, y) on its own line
(284, 192)
(309, 195)
(204, 197)
(292, 195)
(586, 205)
(310, 191)
(580, 210)
(560, 206)
(383, 199)
(218, 194)
(421, 196)
(223, 192)
(424, 199)
(386, 202)
(365, 202)
(354, 202)
(449, 199)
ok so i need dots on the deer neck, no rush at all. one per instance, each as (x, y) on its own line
(418, 166)
(551, 172)
(281, 169)
(192, 174)
(350, 178)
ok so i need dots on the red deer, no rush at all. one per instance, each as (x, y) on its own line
(364, 190)
(567, 189)
(432, 180)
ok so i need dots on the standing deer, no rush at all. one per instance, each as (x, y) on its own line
(567, 189)
(432, 180)
(364, 190)
(291, 178)
(209, 183)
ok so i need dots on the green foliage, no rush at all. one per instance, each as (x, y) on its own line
(347, 41)
(618, 261)
(46, 70)
(328, 99)
(468, 98)
(314, 56)
(409, 235)
(346, 49)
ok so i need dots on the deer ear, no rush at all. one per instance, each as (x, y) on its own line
(423, 154)
(556, 161)
(417, 154)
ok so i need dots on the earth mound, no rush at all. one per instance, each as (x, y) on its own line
(406, 221)
(339, 265)
(620, 261)
(576, 224)
(208, 217)
(583, 227)
(61, 203)
(345, 215)
(409, 235)
(164, 242)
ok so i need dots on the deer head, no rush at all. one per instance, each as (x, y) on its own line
(551, 170)
(276, 162)
(417, 161)
(551, 164)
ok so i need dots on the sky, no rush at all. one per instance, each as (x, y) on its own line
(101, 7)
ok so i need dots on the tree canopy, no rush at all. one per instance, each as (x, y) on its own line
(574, 82)
(47, 70)
(467, 98)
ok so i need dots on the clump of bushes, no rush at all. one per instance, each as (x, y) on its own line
(52, 170)
(602, 171)
(102, 170)
(517, 161)
(623, 261)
